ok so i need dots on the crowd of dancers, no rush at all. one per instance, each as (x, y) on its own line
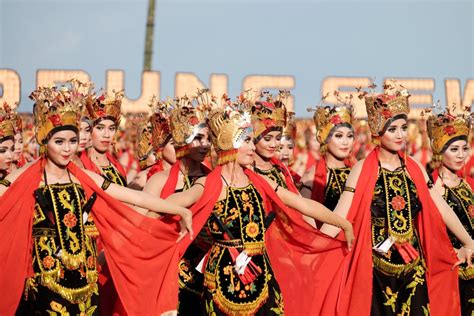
(218, 206)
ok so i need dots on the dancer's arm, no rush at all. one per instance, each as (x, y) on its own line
(315, 210)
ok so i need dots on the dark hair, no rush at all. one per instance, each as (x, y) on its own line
(452, 140)
(268, 130)
(4, 139)
(107, 117)
(59, 129)
(391, 120)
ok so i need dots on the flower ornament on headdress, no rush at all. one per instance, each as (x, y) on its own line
(187, 117)
(57, 109)
(105, 107)
(160, 123)
(446, 127)
(229, 126)
(382, 108)
(269, 113)
(7, 125)
(328, 117)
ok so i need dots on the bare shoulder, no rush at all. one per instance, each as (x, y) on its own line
(355, 174)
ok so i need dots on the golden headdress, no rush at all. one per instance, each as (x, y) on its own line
(445, 127)
(55, 108)
(327, 117)
(7, 128)
(289, 130)
(383, 107)
(160, 123)
(144, 142)
(105, 106)
(186, 118)
(268, 114)
(228, 127)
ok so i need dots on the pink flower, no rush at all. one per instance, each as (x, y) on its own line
(387, 114)
(48, 262)
(55, 119)
(193, 120)
(450, 130)
(398, 203)
(70, 220)
(336, 119)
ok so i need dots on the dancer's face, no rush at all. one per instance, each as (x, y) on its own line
(201, 145)
(286, 151)
(62, 146)
(169, 155)
(32, 147)
(341, 142)
(18, 146)
(455, 155)
(246, 152)
(267, 146)
(395, 136)
(102, 135)
(7, 148)
(84, 136)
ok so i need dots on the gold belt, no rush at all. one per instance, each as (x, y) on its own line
(394, 269)
(44, 232)
(466, 273)
(231, 243)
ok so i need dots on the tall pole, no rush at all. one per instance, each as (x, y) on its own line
(150, 25)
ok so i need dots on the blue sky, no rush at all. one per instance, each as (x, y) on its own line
(308, 39)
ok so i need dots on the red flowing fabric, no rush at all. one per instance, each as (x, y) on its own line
(442, 282)
(138, 249)
(172, 181)
(319, 181)
(296, 177)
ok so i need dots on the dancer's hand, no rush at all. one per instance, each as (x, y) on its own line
(464, 255)
(186, 224)
(348, 233)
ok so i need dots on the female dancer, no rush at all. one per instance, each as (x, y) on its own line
(325, 182)
(402, 259)
(190, 135)
(48, 245)
(268, 120)
(233, 203)
(449, 135)
(7, 144)
(155, 142)
(104, 112)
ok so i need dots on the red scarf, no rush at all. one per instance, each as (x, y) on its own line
(89, 165)
(441, 280)
(138, 249)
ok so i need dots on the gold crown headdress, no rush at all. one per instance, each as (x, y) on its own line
(186, 118)
(7, 127)
(228, 127)
(445, 127)
(269, 114)
(105, 106)
(327, 117)
(55, 108)
(144, 142)
(289, 130)
(381, 108)
(160, 123)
